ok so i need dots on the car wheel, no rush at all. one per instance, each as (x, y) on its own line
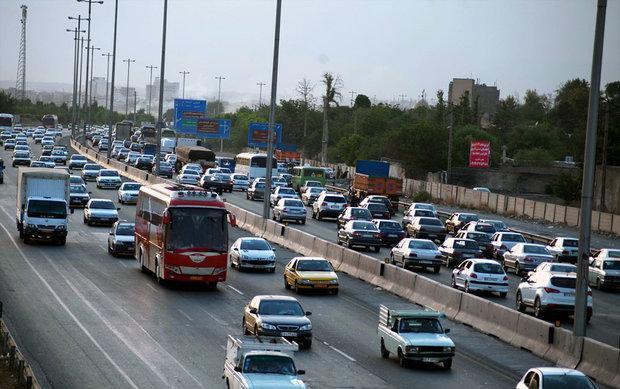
(307, 343)
(109, 249)
(303, 222)
(598, 284)
(377, 248)
(517, 268)
(538, 310)
(453, 283)
(403, 263)
(467, 287)
(385, 354)
(447, 364)
(286, 284)
(26, 239)
(143, 268)
(519, 303)
(318, 216)
(255, 330)
(503, 294)
(338, 241)
(392, 258)
(273, 216)
(244, 328)
(402, 361)
(436, 269)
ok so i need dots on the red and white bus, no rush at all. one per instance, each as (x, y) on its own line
(182, 233)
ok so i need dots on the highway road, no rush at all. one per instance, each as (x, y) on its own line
(86, 319)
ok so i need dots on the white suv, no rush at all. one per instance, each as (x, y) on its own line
(328, 205)
(549, 293)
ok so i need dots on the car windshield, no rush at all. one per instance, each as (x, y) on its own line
(125, 229)
(108, 173)
(423, 212)
(22, 155)
(47, 209)
(422, 245)
(566, 381)
(259, 185)
(361, 213)
(563, 268)
(240, 177)
(367, 226)
(280, 307)
(268, 364)
(465, 244)
(428, 221)
(420, 325)
(467, 217)
(335, 199)
(513, 238)
(389, 225)
(197, 228)
(531, 249)
(78, 189)
(315, 189)
(570, 243)
(313, 265)
(485, 228)
(377, 207)
(293, 203)
(92, 167)
(290, 191)
(132, 186)
(102, 205)
(611, 265)
(254, 244)
(479, 237)
(488, 268)
(313, 183)
(425, 206)
(564, 282)
(76, 157)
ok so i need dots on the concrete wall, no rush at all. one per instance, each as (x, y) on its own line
(612, 189)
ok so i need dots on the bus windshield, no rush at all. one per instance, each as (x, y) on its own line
(197, 229)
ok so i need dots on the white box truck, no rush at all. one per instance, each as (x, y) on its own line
(43, 204)
(261, 363)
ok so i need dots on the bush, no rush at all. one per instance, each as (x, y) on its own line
(566, 187)
(536, 155)
(422, 197)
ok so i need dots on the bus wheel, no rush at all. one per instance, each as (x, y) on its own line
(143, 268)
(160, 280)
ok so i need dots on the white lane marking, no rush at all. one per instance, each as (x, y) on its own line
(340, 352)
(212, 316)
(235, 289)
(185, 314)
(223, 347)
(152, 287)
(66, 309)
(138, 350)
(122, 263)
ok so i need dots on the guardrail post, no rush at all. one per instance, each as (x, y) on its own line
(20, 371)
(29, 382)
(5, 343)
(11, 357)
(0, 309)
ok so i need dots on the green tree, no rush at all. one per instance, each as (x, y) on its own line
(507, 115)
(333, 84)
(440, 108)
(570, 114)
(535, 107)
(362, 101)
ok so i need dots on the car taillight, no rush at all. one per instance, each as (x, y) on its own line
(381, 235)
(505, 278)
(323, 205)
(489, 246)
(422, 229)
(551, 290)
(564, 252)
(357, 234)
(527, 259)
(456, 254)
(378, 235)
(413, 254)
(473, 275)
(285, 209)
(589, 293)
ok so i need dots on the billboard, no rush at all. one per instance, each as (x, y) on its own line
(186, 114)
(258, 134)
(479, 153)
(213, 128)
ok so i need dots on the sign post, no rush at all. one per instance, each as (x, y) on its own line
(479, 154)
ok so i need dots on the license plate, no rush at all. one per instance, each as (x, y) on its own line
(320, 286)
(290, 334)
(432, 235)
(569, 294)
(392, 235)
(429, 360)
(488, 279)
(467, 255)
(195, 278)
(367, 235)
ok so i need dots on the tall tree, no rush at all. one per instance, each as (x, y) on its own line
(304, 89)
(571, 113)
(333, 84)
(440, 108)
(362, 101)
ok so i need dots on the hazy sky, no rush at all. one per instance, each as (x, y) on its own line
(382, 48)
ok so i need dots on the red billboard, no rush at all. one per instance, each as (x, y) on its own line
(479, 153)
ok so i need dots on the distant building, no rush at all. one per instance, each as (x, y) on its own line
(487, 96)
(99, 90)
(171, 90)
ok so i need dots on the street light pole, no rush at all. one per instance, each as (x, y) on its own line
(151, 67)
(589, 163)
(219, 104)
(450, 129)
(79, 110)
(111, 107)
(272, 111)
(135, 104)
(107, 78)
(90, 2)
(76, 52)
(184, 73)
(92, 60)
(129, 61)
(260, 93)
(160, 113)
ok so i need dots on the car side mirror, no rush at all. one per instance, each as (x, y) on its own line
(446, 331)
(235, 249)
(301, 372)
(308, 313)
(273, 249)
(253, 311)
(90, 193)
(238, 369)
(111, 233)
(72, 211)
(118, 209)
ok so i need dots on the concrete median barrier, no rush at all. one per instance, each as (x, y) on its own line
(319, 248)
(532, 334)
(239, 213)
(334, 255)
(400, 281)
(600, 360)
(565, 349)
(437, 296)
(299, 241)
(254, 223)
(488, 317)
(350, 262)
(369, 269)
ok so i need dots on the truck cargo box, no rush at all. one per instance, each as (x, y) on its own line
(371, 185)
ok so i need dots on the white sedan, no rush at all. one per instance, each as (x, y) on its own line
(100, 211)
(417, 252)
(128, 192)
(252, 253)
(480, 275)
(189, 178)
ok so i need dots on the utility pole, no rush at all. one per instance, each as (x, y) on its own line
(111, 107)
(135, 104)
(272, 110)
(184, 73)
(76, 33)
(325, 138)
(90, 2)
(79, 111)
(589, 163)
(352, 99)
(219, 104)
(21, 60)
(129, 61)
(602, 205)
(450, 128)
(151, 67)
(92, 60)
(160, 113)
(260, 93)
(107, 78)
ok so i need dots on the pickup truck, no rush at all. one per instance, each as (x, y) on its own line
(261, 362)
(414, 334)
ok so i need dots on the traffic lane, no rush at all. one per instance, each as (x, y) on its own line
(605, 321)
(324, 307)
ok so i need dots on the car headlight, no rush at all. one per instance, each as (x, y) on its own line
(305, 281)
(306, 327)
(448, 349)
(61, 227)
(268, 326)
(31, 226)
(335, 281)
(411, 349)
